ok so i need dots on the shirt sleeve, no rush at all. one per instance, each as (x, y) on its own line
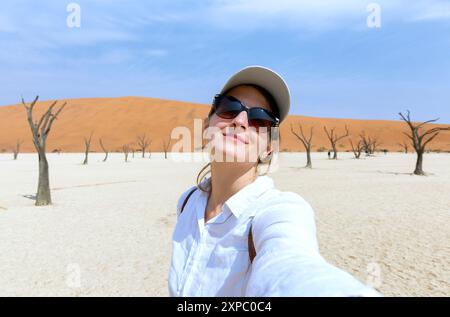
(288, 262)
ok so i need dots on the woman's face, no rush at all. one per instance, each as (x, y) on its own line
(233, 140)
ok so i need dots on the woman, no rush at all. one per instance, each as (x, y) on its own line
(236, 234)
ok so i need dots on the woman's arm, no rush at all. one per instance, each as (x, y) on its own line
(288, 262)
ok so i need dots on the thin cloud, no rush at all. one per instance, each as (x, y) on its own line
(318, 15)
(155, 52)
(435, 11)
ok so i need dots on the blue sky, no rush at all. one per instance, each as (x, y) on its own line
(334, 64)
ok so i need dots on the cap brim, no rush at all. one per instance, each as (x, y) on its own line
(267, 79)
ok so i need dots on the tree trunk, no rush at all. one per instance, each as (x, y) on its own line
(43, 196)
(106, 156)
(334, 153)
(15, 155)
(143, 153)
(86, 157)
(419, 170)
(308, 158)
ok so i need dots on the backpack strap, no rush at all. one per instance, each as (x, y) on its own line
(186, 199)
(251, 246)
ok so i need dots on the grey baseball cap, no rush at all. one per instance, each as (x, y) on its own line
(267, 79)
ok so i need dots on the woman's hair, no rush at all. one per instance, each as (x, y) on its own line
(274, 135)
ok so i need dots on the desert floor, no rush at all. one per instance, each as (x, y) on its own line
(108, 231)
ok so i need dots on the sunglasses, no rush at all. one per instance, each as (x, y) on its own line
(228, 107)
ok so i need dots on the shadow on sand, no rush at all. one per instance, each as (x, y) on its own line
(32, 197)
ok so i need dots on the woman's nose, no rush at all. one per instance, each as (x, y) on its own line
(241, 119)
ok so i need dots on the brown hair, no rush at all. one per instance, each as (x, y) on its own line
(274, 135)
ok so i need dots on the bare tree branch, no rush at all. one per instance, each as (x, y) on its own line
(334, 138)
(39, 131)
(126, 150)
(104, 149)
(357, 149)
(417, 135)
(143, 143)
(16, 150)
(87, 144)
(54, 117)
(166, 145)
(307, 142)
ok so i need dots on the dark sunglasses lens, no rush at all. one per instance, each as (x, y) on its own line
(260, 123)
(259, 117)
(227, 108)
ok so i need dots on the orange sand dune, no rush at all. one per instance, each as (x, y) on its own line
(120, 120)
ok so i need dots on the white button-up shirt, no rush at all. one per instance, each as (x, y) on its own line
(212, 259)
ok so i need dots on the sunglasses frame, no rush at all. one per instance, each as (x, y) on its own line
(276, 121)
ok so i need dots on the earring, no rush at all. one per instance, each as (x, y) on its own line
(266, 158)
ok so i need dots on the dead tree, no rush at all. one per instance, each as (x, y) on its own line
(334, 138)
(365, 143)
(126, 150)
(404, 145)
(149, 151)
(420, 138)
(40, 130)
(368, 143)
(104, 149)
(166, 145)
(307, 143)
(87, 146)
(143, 143)
(17, 148)
(374, 144)
(357, 149)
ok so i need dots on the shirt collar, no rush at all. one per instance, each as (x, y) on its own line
(246, 196)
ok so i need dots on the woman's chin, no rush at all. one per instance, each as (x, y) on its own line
(233, 157)
(229, 155)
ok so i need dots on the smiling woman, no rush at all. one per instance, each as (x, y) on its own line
(237, 235)
(233, 142)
